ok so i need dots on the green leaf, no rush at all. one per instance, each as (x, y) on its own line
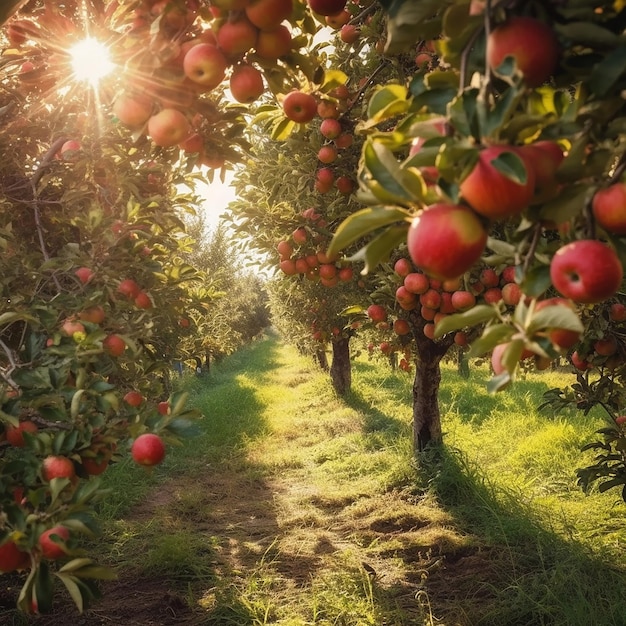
(407, 19)
(497, 383)
(282, 130)
(363, 222)
(380, 248)
(557, 316)
(569, 203)
(388, 101)
(536, 281)
(588, 34)
(333, 78)
(511, 165)
(491, 337)
(477, 315)
(71, 584)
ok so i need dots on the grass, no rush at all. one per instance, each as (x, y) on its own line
(295, 507)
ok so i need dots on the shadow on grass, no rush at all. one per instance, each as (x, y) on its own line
(520, 573)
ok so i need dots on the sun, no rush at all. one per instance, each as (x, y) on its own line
(90, 60)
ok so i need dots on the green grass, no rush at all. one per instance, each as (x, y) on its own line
(296, 507)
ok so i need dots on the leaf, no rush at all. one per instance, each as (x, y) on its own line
(491, 337)
(536, 281)
(497, 383)
(405, 19)
(363, 222)
(333, 78)
(388, 101)
(569, 203)
(476, 315)
(381, 247)
(609, 484)
(557, 316)
(71, 584)
(588, 34)
(511, 165)
(282, 130)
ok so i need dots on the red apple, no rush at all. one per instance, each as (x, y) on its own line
(416, 282)
(345, 185)
(463, 300)
(268, 14)
(401, 327)
(50, 548)
(69, 150)
(132, 110)
(12, 558)
(94, 315)
(148, 449)
(70, 327)
(531, 42)
(168, 127)
(560, 337)
(84, 274)
(133, 398)
(114, 345)
(274, 44)
(349, 33)
(330, 128)
(246, 83)
(55, 466)
(403, 267)
(327, 154)
(327, 7)
(284, 249)
(142, 301)
(511, 294)
(15, 436)
(206, 65)
(445, 240)
(299, 236)
(607, 346)
(299, 106)
(586, 271)
(493, 194)
(609, 208)
(235, 38)
(163, 407)
(338, 20)
(129, 288)
(545, 158)
(617, 312)
(377, 313)
(580, 363)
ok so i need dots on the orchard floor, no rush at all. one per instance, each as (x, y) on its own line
(307, 512)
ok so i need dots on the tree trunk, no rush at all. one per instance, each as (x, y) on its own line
(426, 415)
(341, 367)
(322, 359)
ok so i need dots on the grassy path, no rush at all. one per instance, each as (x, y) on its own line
(295, 507)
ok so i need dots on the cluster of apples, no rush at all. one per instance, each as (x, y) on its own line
(244, 34)
(314, 264)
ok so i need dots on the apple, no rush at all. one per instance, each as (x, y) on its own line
(511, 294)
(463, 300)
(133, 398)
(327, 7)
(268, 14)
(12, 558)
(607, 346)
(489, 277)
(15, 436)
(274, 44)
(493, 295)
(237, 37)
(299, 106)
(246, 83)
(92, 466)
(194, 144)
(416, 282)
(163, 407)
(586, 271)
(55, 466)
(349, 33)
(339, 19)
(376, 313)
(69, 150)
(148, 449)
(168, 127)
(70, 327)
(609, 208)
(544, 158)
(345, 274)
(345, 140)
(142, 301)
(431, 299)
(330, 128)
(493, 194)
(327, 154)
(205, 65)
(401, 327)
(114, 345)
(284, 249)
(460, 338)
(129, 288)
(403, 267)
(133, 111)
(52, 549)
(617, 312)
(94, 315)
(445, 240)
(496, 358)
(325, 176)
(345, 185)
(288, 267)
(532, 44)
(299, 236)
(579, 363)
(84, 274)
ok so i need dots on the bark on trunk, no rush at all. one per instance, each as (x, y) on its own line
(322, 359)
(426, 414)
(341, 367)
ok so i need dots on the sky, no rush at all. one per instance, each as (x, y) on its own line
(216, 196)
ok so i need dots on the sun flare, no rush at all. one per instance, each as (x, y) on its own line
(90, 60)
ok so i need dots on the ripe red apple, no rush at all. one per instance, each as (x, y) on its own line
(84, 274)
(236, 37)
(463, 300)
(416, 282)
(12, 558)
(205, 65)
(345, 185)
(70, 327)
(531, 42)
(327, 109)
(69, 150)
(51, 549)
(349, 33)
(299, 236)
(288, 267)
(168, 127)
(609, 208)
(163, 407)
(15, 436)
(274, 44)
(344, 140)
(511, 294)
(92, 466)
(402, 267)
(133, 398)
(338, 20)
(580, 363)
(148, 449)
(55, 466)
(493, 295)
(586, 271)
(327, 7)
(330, 128)
(129, 288)
(94, 315)
(246, 83)
(325, 176)
(445, 240)
(431, 299)
(299, 106)
(284, 249)
(194, 144)
(114, 345)
(377, 313)
(401, 327)
(493, 194)
(606, 346)
(268, 14)
(617, 312)
(345, 274)
(327, 154)
(545, 158)
(142, 301)
(133, 110)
